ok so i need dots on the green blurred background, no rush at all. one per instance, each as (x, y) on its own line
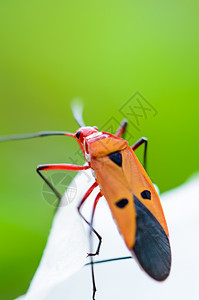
(103, 52)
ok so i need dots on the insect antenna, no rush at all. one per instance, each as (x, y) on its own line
(34, 135)
(77, 110)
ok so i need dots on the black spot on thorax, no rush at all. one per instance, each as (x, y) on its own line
(116, 157)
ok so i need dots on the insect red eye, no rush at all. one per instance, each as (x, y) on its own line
(78, 134)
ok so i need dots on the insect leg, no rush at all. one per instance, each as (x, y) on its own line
(141, 141)
(91, 188)
(109, 260)
(99, 195)
(68, 167)
(95, 184)
(122, 128)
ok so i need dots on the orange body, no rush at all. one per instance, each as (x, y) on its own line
(122, 182)
(133, 201)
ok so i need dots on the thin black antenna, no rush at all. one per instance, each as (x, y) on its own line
(77, 110)
(33, 135)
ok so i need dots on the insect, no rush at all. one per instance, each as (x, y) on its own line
(131, 196)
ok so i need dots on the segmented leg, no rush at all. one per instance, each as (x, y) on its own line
(122, 128)
(141, 141)
(99, 195)
(68, 167)
(95, 184)
(109, 260)
(91, 245)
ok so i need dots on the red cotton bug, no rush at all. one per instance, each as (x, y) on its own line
(131, 196)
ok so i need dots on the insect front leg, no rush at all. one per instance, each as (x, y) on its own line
(141, 141)
(68, 167)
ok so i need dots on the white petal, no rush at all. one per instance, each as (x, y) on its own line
(67, 245)
(124, 279)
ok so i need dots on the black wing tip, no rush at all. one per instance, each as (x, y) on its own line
(152, 247)
(158, 273)
(161, 276)
(163, 273)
